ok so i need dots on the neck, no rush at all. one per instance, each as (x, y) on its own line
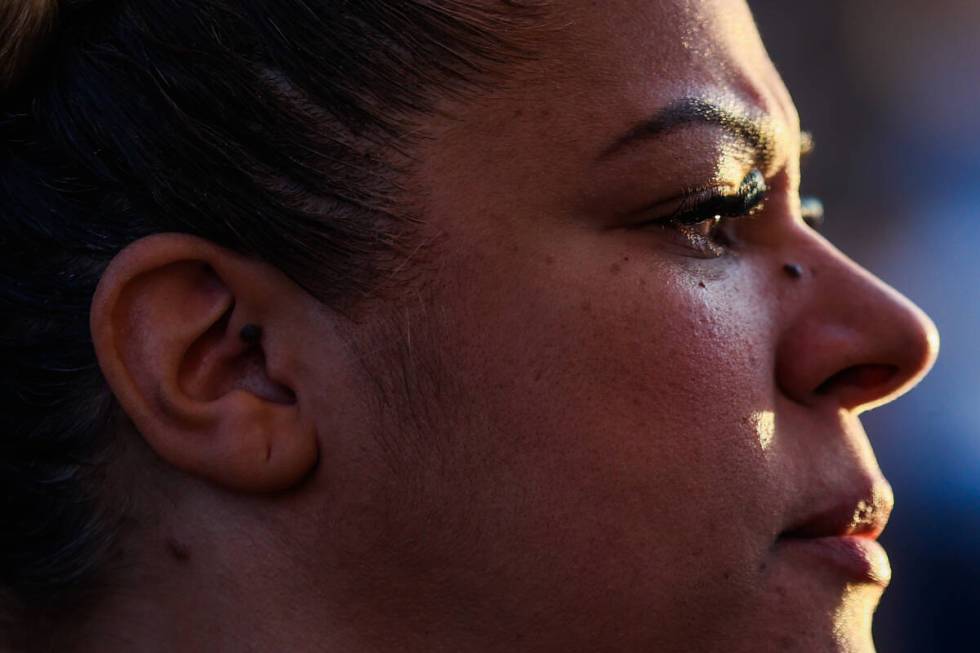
(193, 605)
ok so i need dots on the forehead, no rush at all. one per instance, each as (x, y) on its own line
(603, 66)
(671, 41)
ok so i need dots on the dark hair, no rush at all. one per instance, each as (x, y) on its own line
(278, 129)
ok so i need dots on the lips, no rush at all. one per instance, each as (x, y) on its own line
(863, 515)
(840, 537)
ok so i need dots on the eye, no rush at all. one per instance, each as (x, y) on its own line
(702, 214)
(811, 210)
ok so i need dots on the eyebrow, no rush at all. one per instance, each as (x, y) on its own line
(753, 131)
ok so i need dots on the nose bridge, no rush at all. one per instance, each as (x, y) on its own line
(849, 335)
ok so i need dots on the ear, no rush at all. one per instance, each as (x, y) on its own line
(167, 322)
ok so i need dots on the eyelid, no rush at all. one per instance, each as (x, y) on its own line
(698, 205)
(751, 194)
(690, 200)
(697, 201)
(686, 199)
(698, 221)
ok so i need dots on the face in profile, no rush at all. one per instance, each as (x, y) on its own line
(638, 428)
(617, 409)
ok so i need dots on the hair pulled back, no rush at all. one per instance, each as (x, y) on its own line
(274, 128)
(24, 26)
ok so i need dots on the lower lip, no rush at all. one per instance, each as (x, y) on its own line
(861, 559)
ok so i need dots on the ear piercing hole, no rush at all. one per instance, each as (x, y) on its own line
(251, 334)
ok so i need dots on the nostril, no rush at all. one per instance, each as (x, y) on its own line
(865, 379)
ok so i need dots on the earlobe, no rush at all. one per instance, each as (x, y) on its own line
(166, 323)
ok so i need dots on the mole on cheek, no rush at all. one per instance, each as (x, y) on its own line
(178, 550)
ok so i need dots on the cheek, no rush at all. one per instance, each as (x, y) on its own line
(624, 408)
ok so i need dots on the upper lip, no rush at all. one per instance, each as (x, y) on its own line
(863, 514)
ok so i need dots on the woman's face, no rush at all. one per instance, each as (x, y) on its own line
(622, 433)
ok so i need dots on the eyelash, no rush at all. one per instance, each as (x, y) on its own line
(811, 210)
(709, 207)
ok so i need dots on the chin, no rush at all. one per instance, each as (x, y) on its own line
(853, 632)
(821, 619)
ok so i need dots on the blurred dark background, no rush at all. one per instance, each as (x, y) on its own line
(891, 92)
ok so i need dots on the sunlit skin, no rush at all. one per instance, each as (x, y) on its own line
(590, 435)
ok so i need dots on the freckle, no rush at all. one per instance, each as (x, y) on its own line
(537, 375)
(179, 551)
(727, 575)
(550, 260)
(615, 268)
(626, 258)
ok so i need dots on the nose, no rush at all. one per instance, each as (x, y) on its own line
(848, 337)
